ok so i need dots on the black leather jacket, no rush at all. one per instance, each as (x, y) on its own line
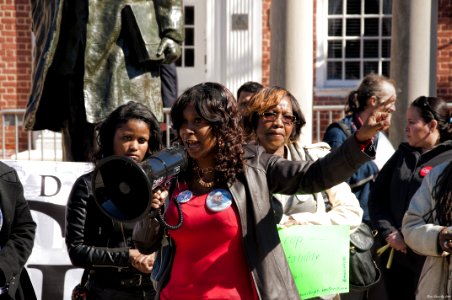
(264, 175)
(397, 182)
(94, 241)
(16, 236)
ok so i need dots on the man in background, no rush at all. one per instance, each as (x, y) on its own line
(246, 91)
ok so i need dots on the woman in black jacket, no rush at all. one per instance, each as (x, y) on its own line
(113, 267)
(17, 233)
(428, 133)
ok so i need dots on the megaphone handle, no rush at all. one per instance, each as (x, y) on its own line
(162, 221)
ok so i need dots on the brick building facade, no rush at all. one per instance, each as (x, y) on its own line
(16, 57)
(15, 63)
(15, 53)
(444, 60)
(444, 56)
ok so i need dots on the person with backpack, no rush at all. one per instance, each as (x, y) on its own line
(374, 91)
(361, 103)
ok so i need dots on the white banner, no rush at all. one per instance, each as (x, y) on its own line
(46, 187)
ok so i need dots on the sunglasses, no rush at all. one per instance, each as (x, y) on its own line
(270, 116)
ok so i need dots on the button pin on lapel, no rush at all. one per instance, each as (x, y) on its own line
(425, 170)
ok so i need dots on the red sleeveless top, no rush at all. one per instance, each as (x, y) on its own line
(210, 258)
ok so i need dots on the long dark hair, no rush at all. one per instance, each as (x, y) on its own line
(121, 115)
(442, 193)
(370, 86)
(216, 104)
(433, 108)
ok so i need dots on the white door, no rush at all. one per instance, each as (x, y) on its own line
(191, 67)
(234, 42)
(223, 41)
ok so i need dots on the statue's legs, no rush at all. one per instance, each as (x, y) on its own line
(77, 133)
(78, 142)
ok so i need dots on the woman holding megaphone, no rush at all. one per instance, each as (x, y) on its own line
(228, 245)
(114, 269)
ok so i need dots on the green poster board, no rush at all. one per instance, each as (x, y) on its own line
(318, 256)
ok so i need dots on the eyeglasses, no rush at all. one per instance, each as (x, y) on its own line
(270, 116)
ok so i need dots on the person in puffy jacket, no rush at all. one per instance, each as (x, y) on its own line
(426, 228)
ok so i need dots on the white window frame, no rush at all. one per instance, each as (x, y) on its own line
(339, 87)
(184, 46)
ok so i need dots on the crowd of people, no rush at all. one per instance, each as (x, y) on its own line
(103, 74)
(428, 144)
(243, 258)
(248, 171)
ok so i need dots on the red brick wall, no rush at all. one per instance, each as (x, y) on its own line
(444, 56)
(15, 53)
(266, 35)
(15, 61)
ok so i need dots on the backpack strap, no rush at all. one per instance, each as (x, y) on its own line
(345, 128)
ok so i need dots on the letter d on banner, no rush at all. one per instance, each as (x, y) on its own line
(43, 185)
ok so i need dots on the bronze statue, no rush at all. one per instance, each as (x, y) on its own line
(92, 56)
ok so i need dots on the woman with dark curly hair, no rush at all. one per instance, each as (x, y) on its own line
(114, 268)
(427, 230)
(228, 245)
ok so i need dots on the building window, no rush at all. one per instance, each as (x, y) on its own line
(358, 39)
(187, 58)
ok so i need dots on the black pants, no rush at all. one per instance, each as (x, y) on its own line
(402, 278)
